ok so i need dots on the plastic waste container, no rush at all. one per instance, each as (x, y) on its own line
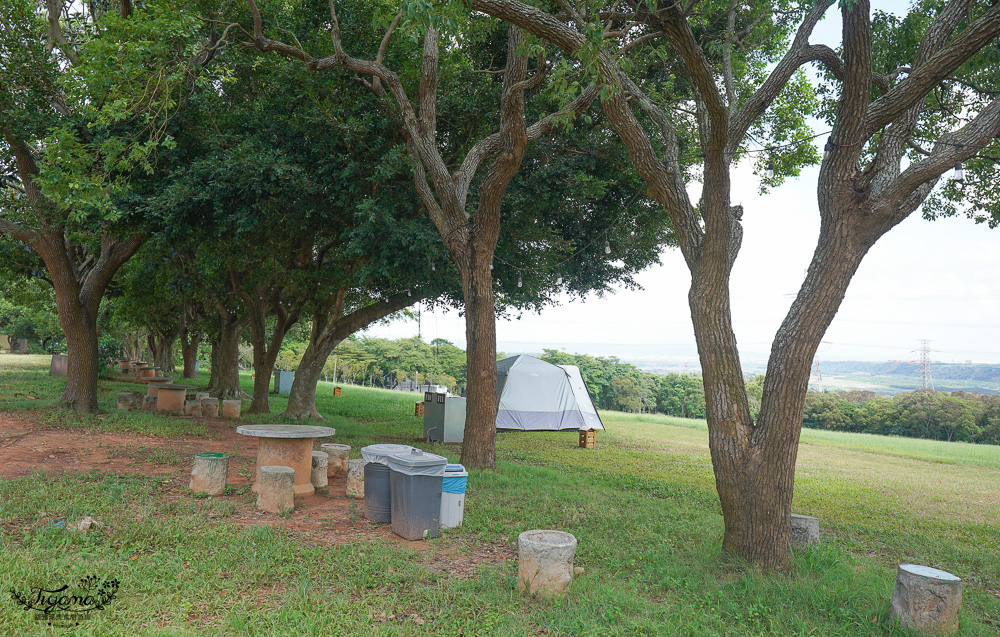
(453, 495)
(378, 503)
(416, 479)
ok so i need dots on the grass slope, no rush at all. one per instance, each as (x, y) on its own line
(642, 505)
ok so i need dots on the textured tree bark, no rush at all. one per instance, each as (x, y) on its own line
(82, 365)
(226, 352)
(302, 397)
(190, 340)
(213, 376)
(479, 445)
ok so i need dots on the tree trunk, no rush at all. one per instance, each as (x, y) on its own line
(302, 398)
(479, 446)
(227, 365)
(82, 365)
(189, 352)
(263, 368)
(213, 376)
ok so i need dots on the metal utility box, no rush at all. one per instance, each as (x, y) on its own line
(444, 418)
(283, 382)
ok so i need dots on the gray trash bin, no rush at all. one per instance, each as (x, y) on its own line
(378, 505)
(416, 479)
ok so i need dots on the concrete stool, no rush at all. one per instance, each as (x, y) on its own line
(210, 407)
(149, 403)
(356, 479)
(320, 460)
(58, 364)
(202, 395)
(231, 408)
(926, 600)
(277, 492)
(192, 407)
(338, 459)
(126, 400)
(805, 529)
(545, 562)
(209, 473)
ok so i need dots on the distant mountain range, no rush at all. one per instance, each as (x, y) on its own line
(882, 377)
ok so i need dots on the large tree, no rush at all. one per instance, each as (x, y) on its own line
(81, 135)
(463, 171)
(738, 63)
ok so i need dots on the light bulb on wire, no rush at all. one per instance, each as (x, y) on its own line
(959, 174)
(559, 278)
(607, 247)
(520, 283)
(770, 169)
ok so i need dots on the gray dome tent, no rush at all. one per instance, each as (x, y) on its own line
(533, 394)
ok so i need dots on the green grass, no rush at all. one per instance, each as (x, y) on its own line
(642, 505)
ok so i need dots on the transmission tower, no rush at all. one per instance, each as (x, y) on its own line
(926, 382)
(819, 378)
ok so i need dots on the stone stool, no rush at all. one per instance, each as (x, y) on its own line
(201, 395)
(356, 479)
(192, 407)
(209, 473)
(320, 460)
(210, 407)
(805, 529)
(126, 400)
(149, 403)
(277, 492)
(545, 562)
(338, 459)
(926, 600)
(231, 408)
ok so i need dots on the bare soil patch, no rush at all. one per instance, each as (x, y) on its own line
(327, 517)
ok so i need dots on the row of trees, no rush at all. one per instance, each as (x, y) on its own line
(624, 387)
(106, 115)
(963, 416)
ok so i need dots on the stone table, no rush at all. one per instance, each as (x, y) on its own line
(288, 446)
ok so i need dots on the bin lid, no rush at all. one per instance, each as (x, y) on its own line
(379, 453)
(417, 463)
(454, 466)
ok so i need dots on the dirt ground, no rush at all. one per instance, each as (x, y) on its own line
(326, 517)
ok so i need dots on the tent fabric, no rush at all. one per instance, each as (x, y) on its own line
(535, 395)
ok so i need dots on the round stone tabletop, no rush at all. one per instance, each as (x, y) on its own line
(285, 431)
(184, 387)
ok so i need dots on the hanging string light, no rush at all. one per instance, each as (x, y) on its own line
(959, 174)
(520, 283)
(408, 293)
(559, 278)
(607, 247)
(770, 169)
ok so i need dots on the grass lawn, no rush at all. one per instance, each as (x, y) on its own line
(642, 505)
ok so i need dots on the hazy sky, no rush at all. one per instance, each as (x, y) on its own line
(935, 280)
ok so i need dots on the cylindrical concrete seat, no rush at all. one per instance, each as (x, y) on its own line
(320, 460)
(192, 407)
(545, 562)
(356, 479)
(926, 600)
(231, 408)
(338, 459)
(209, 473)
(210, 407)
(126, 400)
(805, 529)
(202, 395)
(276, 493)
(149, 403)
